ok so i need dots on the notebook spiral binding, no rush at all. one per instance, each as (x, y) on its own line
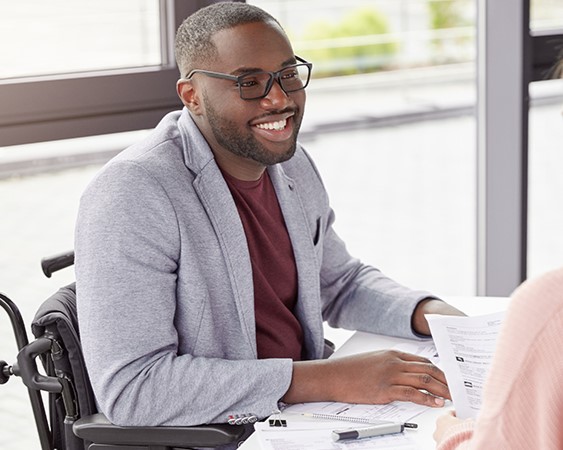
(345, 418)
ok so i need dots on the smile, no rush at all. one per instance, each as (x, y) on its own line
(278, 125)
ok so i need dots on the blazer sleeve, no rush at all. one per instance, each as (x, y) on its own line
(354, 295)
(127, 248)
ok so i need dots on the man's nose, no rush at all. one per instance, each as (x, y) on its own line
(277, 96)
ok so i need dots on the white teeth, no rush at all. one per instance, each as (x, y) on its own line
(279, 125)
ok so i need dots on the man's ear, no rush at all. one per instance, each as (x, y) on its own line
(189, 95)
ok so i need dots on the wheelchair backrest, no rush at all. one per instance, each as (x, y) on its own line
(57, 320)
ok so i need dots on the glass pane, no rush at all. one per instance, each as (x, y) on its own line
(404, 199)
(63, 36)
(360, 36)
(546, 14)
(390, 123)
(545, 215)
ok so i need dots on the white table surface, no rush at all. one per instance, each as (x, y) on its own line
(361, 342)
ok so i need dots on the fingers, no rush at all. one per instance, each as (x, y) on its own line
(421, 365)
(426, 367)
(385, 376)
(414, 395)
(417, 380)
(410, 356)
(427, 383)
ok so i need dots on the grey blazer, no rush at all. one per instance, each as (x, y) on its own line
(164, 283)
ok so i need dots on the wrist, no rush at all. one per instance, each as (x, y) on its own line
(430, 305)
(310, 381)
(419, 323)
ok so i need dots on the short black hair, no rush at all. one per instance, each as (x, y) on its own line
(193, 38)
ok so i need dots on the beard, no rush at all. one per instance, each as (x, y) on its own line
(242, 143)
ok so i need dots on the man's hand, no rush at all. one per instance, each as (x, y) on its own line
(431, 306)
(374, 378)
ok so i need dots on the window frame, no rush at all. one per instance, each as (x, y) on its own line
(546, 51)
(43, 108)
(510, 57)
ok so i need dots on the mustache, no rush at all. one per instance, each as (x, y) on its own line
(293, 110)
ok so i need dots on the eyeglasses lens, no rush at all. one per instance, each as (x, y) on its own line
(257, 85)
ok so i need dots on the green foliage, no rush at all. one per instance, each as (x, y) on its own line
(445, 14)
(335, 57)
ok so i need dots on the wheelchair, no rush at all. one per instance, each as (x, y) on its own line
(74, 422)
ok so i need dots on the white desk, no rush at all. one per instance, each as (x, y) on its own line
(361, 342)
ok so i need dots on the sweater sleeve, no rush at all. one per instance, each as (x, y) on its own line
(457, 437)
(522, 397)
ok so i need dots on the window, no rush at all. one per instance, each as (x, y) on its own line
(86, 68)
(546, 15)
(545, 219)
(545, 189)
(65, 36)
(390, 123)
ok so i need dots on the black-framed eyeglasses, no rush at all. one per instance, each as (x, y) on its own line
(255, 85)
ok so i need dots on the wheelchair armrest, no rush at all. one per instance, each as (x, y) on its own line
(98, 429)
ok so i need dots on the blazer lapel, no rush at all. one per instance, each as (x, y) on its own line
(221, 209)
(218, 202)
(308, 309)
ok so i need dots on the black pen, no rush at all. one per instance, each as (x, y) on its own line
(374, 430)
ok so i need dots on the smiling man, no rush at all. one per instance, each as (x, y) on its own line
(256, 65)
(206, 259)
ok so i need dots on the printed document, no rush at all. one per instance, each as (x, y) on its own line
(309, 426)
(466, 346)
(351, 412)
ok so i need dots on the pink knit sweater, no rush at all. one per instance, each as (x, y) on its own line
(523, 396)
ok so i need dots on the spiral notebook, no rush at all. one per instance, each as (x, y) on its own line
(359, 413)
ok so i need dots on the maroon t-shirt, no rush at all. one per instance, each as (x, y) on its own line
(278, 332)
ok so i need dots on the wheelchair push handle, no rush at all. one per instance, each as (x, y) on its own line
(27, 368)
(52, 264)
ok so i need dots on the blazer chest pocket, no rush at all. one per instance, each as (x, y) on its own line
(317, 233)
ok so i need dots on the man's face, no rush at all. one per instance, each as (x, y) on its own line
(251, 133)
